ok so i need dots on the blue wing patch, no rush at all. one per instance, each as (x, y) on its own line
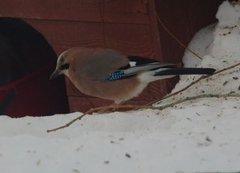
(115, 75)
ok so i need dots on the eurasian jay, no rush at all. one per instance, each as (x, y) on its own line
(111, 75)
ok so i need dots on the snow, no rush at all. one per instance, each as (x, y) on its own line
(192, 137)
(218, 44)
(200, 43)
(200, 135)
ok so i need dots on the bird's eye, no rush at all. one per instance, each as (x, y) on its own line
(64, 66)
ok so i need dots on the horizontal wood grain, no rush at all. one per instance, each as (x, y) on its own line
(53, 9)
(188, 18)
(113, 11)
(127, 26)
(83, 104)
(131, 39)
(63, 35)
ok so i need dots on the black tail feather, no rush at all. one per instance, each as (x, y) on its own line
(185, 71)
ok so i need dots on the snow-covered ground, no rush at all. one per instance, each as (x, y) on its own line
(197, 137)
(201, 135)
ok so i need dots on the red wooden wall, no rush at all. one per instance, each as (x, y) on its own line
(183, 18)
(127, 26)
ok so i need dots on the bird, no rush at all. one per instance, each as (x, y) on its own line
(112, 75)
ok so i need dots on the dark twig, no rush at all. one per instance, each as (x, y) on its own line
(68, 124)
(196, 81)
(97, 109)
(104, 108)
(193, 98)
(175, 37)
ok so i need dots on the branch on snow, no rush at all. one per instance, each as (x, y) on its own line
(98, 109)
(196, 81)
(194, 98)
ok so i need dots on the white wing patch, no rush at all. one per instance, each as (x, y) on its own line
(132, 63)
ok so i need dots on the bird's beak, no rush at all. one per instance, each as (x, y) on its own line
(55, 74)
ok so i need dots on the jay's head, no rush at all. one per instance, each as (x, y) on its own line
(62, 65)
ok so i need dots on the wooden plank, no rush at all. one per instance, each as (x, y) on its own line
(129, 38)
(83, 104)
(125, 11)
(126, 6)
(177, 24)
(63, 35)
(188, 18)
(110, 11)
(129, 27)
(126, 18)
(52, 9)
(197, 19)
(118, 36)
(158, 88)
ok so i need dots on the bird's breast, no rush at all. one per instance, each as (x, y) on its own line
(117, 91)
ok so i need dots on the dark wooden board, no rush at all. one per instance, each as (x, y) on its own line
(63, 35)
(129, 38)
(128, 26)
(183, 19)
(112, 11)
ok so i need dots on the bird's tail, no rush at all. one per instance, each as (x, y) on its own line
(185, 71)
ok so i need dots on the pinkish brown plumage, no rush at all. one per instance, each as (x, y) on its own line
(109, 74)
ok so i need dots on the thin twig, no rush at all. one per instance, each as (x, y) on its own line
(194, 53)
(97, 109)
(68, 124)
(175, 37)
(151, 107)
(196, 81)
(193, 98)
(140, 107)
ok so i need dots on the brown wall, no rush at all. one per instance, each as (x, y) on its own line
(183, 18)
(126, 25)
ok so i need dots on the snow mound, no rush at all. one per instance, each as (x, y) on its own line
(219, 48)
(204, 133)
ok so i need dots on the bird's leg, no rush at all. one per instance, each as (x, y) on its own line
(101, 109)
(97, 109)
(112, 107)
(121, 106)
